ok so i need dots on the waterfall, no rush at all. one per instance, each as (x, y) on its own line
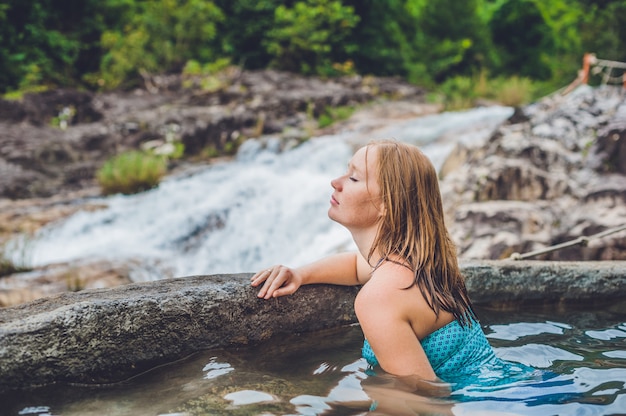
(264, 207)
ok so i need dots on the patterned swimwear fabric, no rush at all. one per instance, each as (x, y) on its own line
(462, 355)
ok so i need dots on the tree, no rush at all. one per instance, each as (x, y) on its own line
(244, 29)
(451, 39)
(44, 42)
(603, 29)
(383, 36)
(159, 37)
(307, 36)
(523, 38)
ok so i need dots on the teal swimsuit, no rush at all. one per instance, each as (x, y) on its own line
(462, 355)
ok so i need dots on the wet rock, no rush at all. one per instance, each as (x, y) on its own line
(97, 336)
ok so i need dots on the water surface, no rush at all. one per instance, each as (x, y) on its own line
(321, 373)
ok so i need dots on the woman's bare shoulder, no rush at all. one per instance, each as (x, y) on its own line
(392, 288)
(388, 283)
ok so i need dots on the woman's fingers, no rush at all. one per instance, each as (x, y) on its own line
(277, 281)
(286, 289)
(261, 276)
(270, 280)
(278, 276)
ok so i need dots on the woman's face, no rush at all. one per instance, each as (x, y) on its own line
(356, 202)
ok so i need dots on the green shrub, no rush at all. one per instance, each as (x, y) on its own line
(334, 114)
(131, 172)
(515, 91)
(160, 36)
(459, 93)
(210, 77)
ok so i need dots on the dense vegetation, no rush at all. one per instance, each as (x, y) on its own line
(106, 44)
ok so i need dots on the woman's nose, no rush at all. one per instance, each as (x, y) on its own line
(335, 183)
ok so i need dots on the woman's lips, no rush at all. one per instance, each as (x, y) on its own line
(333, 201)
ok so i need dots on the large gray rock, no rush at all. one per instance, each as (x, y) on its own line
(106, 335)
(552, 173)
(509, 283)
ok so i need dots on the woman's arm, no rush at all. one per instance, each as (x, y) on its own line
(346, 269)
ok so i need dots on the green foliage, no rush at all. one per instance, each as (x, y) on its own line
(334, 114)
(381, 42)
(48, 42)
(603, 29)
(244, 29)
(113, 43)
(459, 93)
(161, 36)
(514, 91)
(131, 172)
(451, 39)
(178, 150)
(524, 39)
(210, 77)
(306, 36)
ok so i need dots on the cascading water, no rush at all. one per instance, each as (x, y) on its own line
(263, 208)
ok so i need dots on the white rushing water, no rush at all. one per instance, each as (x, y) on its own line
(261, 209)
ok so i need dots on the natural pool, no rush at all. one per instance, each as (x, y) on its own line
(321, 373)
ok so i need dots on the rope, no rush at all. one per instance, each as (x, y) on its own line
(582, 240)
(610, 64)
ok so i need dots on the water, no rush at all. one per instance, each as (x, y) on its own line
(261, 209)
(321, 373)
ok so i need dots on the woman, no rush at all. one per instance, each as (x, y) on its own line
(413, 306)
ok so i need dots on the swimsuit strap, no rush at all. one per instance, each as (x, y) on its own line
(380, 261)
(399, 263)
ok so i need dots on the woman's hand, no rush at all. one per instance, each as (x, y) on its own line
(277, 281)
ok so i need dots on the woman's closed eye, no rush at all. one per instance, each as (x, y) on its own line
(353, 179)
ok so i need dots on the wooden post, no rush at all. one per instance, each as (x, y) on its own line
(588, 59)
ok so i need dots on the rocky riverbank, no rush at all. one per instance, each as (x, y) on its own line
(54, 141)
(555, 171)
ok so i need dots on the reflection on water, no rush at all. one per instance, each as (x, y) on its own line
(323, 374)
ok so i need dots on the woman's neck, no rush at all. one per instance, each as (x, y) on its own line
(364, 240)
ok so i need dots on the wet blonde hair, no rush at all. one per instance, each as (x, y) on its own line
(413, 228)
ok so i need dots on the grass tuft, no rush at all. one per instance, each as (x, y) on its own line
(131, 172)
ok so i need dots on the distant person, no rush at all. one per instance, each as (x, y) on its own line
(413, 306)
